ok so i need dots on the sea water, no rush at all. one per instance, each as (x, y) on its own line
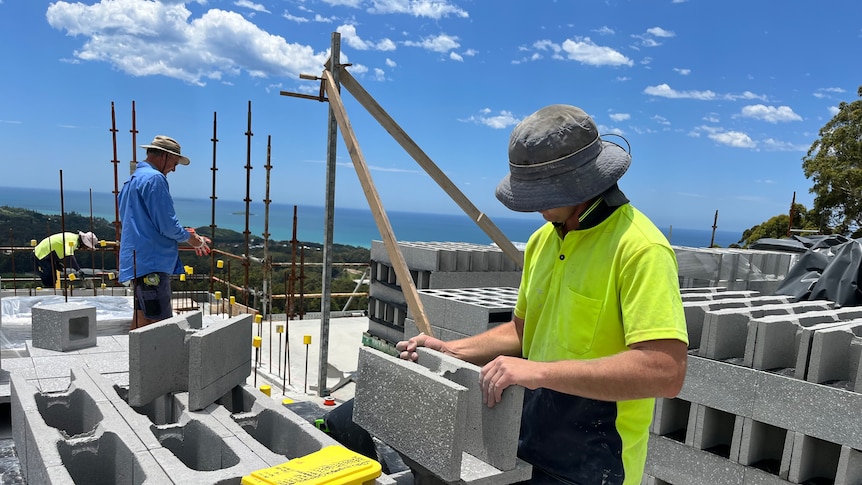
(352, 227)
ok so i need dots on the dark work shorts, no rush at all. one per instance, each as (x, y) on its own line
(155, 301)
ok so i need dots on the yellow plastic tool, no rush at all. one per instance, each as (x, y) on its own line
(332, 465)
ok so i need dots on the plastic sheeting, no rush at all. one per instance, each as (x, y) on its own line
(113, 315)
(829, 270)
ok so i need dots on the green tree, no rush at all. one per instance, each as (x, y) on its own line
(777, 226)
(834, 163)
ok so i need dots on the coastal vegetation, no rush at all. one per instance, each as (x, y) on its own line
(834, 164)
(294, 265)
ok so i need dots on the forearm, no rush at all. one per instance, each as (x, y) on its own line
(637, 373)
(484, 347)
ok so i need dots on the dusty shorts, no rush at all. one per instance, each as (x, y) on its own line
(154, 299)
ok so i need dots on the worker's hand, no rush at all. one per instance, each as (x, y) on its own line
(503, 372)
(407, 348)
(200, 243)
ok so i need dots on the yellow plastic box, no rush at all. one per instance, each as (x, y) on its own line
(332, 465)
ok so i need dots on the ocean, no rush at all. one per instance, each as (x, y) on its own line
(352, 227)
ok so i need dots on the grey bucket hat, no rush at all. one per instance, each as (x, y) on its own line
(557, 159)
(168, 144)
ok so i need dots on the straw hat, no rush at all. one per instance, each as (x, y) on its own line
(168, 144)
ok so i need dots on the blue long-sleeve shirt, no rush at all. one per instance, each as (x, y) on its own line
(150, 229)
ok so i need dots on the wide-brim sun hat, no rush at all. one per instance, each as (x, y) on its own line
(558, 159)
(88, 239)
(168, 144)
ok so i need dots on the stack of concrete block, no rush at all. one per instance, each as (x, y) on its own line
(462, 312)
(453, 437)
(770, 397)
(186, 416)
(735, 269)
(432, 265)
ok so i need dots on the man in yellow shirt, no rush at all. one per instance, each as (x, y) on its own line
(598, 330)
(49, 254)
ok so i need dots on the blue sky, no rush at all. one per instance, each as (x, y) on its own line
(719, 100)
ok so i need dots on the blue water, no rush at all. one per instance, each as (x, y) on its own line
(353, 227)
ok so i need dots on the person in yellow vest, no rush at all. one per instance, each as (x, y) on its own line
(49, 253)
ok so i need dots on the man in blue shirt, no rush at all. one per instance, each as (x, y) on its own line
(151, 232)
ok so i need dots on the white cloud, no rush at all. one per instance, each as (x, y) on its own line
(455, 56)
(585, 51)
(604, 30)
(251, 6)
(619, 116)
(439, 43)
(379, 74)
(782, 146)
(152, 38)
(390, 62)
(833, 110)
(294, 18)
(351, 38)
(344, 3)
(684, 72)
(435, 9)
(736, 139)
(770, 114)
(660, 32)
(665, 91)
(504, 119)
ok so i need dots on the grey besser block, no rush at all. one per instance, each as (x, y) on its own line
(695, 312)
(728, 329)
(491, 434)
(775, 340)
(219, 359)
(815, 410)
(849, 467)
(710, 429)
(758, 442)
(469, 279)
(411, 330)
(272, 431)
(468, 311)
(158, 360)
(720, 385)
(393, 396)
(805, 345)
(813, 458)
(831, 358)
(671, 418)
(674, 462)
(64, 326)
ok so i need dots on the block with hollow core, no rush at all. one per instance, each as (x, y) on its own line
(64, 327)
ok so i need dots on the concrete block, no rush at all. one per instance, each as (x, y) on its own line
(670, 418)
(712, 430)
(849, 470)
(219, 360)
(64, 326)
(468, 311)
(674, 462)
(833, 357)
(393, 395)
(275, 433)
(813, 460)
(774, 341)
(491, 434)
(158, 360)
(759, 445)
(727, 330)
(815, 410)
(719, 385)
